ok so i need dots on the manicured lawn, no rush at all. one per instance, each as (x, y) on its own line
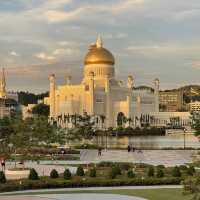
(150, 194)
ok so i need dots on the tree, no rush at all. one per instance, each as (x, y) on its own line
(151, 171)
(67, 174)
(33, 175)
(160, 173)
(130, 174)
(190, 170)
(93, 172)
(41, 110)
(54, 174)
(80, 171)
(176, 172)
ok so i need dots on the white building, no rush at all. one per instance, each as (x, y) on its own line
(100, 93)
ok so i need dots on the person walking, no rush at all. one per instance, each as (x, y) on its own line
(99, 151)
(128, 148)
(3, 164)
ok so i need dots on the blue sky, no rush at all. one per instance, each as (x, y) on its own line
(149, 39)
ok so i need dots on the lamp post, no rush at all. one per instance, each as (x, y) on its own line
(184, 145)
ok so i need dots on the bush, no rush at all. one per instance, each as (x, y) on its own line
(93, 172)
(130, 174)
(160, 173)
(49, 183)
(183, 167)
(190, 171)
(33, 175)
(67, 174)
(151, 172)
(176, 172)
(54, 174)
(80, 171)
(115, 170)
(2, 177)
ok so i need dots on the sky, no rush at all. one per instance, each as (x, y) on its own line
(148, 38)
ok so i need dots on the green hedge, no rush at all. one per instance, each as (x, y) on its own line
(61, 183)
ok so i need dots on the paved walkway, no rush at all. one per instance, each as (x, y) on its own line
(94, 188)
(73, 197)
(154, 157)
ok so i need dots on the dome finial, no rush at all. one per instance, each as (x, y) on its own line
(99, 42)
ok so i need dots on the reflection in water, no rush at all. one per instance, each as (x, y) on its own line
(151, 142)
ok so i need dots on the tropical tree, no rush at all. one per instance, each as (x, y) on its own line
(41, 109)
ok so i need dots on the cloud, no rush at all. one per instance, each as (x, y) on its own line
(43, 56)
(86, 11)
(13, 53)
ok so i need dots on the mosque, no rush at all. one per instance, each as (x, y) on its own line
(100, 93)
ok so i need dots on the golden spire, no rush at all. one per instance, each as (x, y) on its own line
(3, 84)
(99, 42)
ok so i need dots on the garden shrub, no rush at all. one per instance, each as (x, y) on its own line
(2, 177)
(176, 172)
(117, 169)
(54, 174)
(160, 173)
(80, 171)
(93, 172)
(33, 175)
(150, 171)
(190, 171)
(67, 174)
(183, 167)
(130, 174)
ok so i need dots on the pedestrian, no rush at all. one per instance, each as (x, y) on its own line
(133, 149)
(129, 148)
(99, 151)
(3, 164)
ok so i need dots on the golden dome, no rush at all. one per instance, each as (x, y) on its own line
(99, 55)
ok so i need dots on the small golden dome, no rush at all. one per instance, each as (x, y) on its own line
(99, 55)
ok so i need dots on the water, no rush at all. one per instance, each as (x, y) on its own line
(151, 142)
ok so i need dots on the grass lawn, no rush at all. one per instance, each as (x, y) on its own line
(150, 194)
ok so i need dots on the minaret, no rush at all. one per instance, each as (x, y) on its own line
(3, 85)
(156, 93)
(130, 82)
(52, 95)
(108, 103)
(91, 88)
(99, 42)
(68, 80)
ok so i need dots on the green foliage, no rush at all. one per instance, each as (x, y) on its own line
(26, 98)
(183, 167)
(115, 170)
(80, 171)
(41, 109)
(150, 171)
(176, 172)
(67, 174)
(130, 174)
(2, 177)
(190, 171)
(93, 172)
(54, 174)
(160, 173)
(33, 175)
(87, 182)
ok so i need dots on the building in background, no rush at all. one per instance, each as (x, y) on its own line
(8, 101)
(100, 93)
(171, 101)
(194, 106)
